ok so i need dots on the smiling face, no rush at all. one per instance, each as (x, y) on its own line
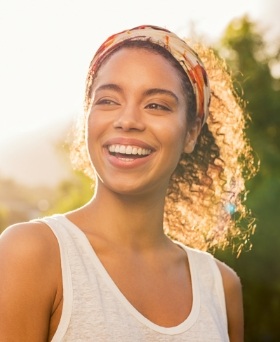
(137, 126)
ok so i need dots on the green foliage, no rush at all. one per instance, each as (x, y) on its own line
(72, 194)
(250, 63)
(20, 203)
(245, 51)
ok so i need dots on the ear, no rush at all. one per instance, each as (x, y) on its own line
(192, 135)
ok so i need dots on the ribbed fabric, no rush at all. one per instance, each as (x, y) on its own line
(94, 309)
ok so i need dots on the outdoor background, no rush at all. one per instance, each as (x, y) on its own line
(45, 49)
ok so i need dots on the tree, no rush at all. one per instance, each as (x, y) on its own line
(246, 52)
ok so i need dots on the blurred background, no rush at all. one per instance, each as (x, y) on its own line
(46, 47)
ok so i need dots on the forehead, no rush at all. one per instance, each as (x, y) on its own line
(139, 63)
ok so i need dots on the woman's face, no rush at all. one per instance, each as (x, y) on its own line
(137, 126)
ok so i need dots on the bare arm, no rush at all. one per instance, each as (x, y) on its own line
(234, 302)
(27, 282)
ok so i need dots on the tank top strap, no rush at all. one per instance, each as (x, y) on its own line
(209, 275)
(64, 239)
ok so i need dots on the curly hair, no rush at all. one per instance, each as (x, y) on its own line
(204, 205)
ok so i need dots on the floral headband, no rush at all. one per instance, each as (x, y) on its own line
(179, 49)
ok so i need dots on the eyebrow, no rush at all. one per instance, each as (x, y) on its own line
(149, 92)
(109, 86)
(155, 91)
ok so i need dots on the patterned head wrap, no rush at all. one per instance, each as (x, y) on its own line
(179, 49)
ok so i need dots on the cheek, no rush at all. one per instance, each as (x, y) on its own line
(93, 126)
(175, 138)
(97, 126)
(177, 133)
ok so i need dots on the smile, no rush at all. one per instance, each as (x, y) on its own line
(129, 150)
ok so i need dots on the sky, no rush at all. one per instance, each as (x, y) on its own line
(46, 47)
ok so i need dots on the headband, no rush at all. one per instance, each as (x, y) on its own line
(179, 49)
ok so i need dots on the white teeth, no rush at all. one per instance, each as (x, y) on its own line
(122, 149)
(127, 149)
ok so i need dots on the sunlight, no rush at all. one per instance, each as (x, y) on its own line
(47, 48)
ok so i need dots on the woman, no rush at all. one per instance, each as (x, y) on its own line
(165, 171)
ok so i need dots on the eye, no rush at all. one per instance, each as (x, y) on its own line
(106, 101)
(157, 106)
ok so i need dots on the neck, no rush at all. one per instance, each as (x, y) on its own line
(130, 220)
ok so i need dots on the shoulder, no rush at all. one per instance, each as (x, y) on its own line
(28, 246)
(28, 239)
(29, 280)
(231, 280)
(234, 301)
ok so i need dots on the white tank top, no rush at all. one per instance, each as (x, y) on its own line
(94, 309)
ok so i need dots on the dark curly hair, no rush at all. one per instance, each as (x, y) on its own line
(204, 205)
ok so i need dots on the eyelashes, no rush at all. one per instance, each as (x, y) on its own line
(157, 106)
(105, 101)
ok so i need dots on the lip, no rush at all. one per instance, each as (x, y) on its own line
(127, 163)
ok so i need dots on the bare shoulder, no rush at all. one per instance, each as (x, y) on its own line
(234, 302)
(31, 229)
(32, 240)
(231, 280)
(29, 253)
(29, 273)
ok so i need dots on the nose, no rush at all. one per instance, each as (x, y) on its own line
(129, 118)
